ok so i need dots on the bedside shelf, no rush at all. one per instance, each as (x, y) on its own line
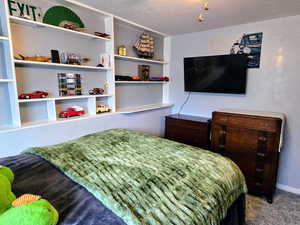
(141, 82)
(143, 108)
(32, 63)
(35, 24)
(129, 58)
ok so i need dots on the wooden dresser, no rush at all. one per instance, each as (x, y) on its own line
(253, 143)
(191, 130)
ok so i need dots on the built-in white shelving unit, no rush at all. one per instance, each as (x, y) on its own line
(19, 36)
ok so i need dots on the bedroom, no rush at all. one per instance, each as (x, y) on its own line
(144, 105)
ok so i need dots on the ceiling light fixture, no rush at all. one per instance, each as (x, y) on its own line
(206, 8)
(200, 18)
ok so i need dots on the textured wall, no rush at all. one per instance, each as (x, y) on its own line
(13, 143)
(273, 87)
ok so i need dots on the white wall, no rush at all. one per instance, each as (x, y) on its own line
(273, 87)
(13, 143)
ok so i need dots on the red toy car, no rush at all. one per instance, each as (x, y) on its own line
(36, 94)
(73, 111)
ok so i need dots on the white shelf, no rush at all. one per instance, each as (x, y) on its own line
(32, 63)
(129, 58)
(62, 98)
(144, 108)
(31, 23)
(3, 38)
(6, 80)
(141, 82)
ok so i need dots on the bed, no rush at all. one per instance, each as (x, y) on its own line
(120, 177)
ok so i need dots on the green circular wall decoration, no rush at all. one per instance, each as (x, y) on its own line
(58, 15)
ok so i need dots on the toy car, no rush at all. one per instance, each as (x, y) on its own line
(103, 109)
(72, 111)
(36, 94)
(96, 91)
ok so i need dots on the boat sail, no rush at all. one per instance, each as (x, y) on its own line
(145, 46)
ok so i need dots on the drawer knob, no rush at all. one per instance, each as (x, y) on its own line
(262, 138)
(222, 132)
(259, 170)
(258, 184)
(261, 154)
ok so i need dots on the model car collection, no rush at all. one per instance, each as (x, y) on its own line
(36, 94)
(72, 111)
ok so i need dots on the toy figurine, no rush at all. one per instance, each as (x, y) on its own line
(72, 111)
(36, 94)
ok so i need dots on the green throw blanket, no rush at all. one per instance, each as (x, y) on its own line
(150, 180)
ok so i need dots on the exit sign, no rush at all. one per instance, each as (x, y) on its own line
(21, 9)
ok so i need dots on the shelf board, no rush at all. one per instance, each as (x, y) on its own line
(80, 97)
(2, 38)
(31, 23)
(143, 108)
(62, 98)
(141, 82)
(129, 58)
(6, 80)
(32, 63)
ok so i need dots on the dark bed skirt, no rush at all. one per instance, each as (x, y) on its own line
(77, 206)
(237, 212)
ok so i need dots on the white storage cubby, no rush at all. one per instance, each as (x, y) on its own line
(34, 112)
(20, 36)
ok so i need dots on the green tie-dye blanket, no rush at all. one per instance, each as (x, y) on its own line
(150, 180)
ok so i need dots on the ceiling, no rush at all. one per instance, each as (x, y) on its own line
(180, 16)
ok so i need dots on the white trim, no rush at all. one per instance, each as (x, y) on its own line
(288, 189)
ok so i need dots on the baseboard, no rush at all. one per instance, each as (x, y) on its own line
(288, 189)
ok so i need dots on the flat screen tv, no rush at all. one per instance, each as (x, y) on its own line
(216, 74)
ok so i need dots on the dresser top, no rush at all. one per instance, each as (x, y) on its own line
(254, 113)
(190, 118)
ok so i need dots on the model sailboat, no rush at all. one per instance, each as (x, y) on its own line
(145, 46)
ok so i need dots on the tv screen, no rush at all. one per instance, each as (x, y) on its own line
(216, 74)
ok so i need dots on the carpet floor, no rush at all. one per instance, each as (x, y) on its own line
(285, 210)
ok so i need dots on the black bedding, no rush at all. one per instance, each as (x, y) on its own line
(75, 204)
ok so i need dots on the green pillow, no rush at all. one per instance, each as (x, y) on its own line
(40, 212)
(6, 195)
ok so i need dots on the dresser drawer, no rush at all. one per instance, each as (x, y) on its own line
(250, 122)
(252, 167)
